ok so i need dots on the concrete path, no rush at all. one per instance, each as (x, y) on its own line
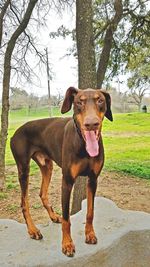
(123, 241)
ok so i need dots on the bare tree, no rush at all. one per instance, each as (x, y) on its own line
(136, 96)
(27, 43)
(19, 44)
(6, 84)
(18, 98)
(139, 68)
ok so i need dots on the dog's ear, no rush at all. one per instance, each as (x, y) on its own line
(108, 113)
(69, 97)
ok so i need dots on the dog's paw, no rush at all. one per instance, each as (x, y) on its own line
(35, 234)
(91, 238)
(56, 218)
(68, 248)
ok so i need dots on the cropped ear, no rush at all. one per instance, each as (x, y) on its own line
(108, 113)
(69, 97)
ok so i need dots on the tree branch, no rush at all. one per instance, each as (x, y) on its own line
(41, 56)
(102, 30)
(108, 40)
(2, 14)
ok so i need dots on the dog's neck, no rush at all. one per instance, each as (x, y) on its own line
(77, 127)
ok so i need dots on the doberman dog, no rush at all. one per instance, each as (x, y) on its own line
(75, 144)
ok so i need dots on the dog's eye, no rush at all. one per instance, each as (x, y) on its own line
(80, 103)
(100, 101)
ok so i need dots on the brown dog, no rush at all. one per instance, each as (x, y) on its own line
(75, 144)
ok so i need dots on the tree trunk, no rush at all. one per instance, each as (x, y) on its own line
(85, 44)
(108, 40)
(2, 14)
(4, 117)
(6, 84)
(86, 74)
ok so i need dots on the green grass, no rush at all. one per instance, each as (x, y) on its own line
(12, 207)
(3, 195)
(126, 141)
(36, 206)
(127, 144)
(11, 182)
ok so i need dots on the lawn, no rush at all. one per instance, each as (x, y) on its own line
(127, 144)
(126, 140)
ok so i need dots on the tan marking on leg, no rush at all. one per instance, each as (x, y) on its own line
(46, 178)
(33, 231)
(40, 158)
(75, 168)
(24, 181)
(68, 247)
(97, 166)
(89, 230)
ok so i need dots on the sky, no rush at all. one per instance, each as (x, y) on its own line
(63, 68)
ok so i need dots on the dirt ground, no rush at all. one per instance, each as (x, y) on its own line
(128, 192)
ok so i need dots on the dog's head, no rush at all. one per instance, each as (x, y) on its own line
(90, 107)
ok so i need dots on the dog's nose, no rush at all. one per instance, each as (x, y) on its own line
(91, 123)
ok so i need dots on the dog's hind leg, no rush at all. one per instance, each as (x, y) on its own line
(23, 173)
(46, 172)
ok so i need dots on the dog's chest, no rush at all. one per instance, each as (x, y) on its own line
(86, 167)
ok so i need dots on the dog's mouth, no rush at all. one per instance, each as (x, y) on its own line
(91, 139)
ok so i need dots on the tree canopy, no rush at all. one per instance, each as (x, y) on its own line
(120, 29)
(131, 35)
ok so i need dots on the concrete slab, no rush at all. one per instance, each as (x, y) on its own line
(123, 241)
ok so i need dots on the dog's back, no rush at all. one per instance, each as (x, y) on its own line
(44, 135)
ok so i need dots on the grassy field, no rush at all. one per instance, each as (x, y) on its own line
(126, 140)
(127, 144)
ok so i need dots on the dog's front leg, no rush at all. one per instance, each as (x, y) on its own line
(68, 247)
(90, 236)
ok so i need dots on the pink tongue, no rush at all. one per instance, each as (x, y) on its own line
(91, 143)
